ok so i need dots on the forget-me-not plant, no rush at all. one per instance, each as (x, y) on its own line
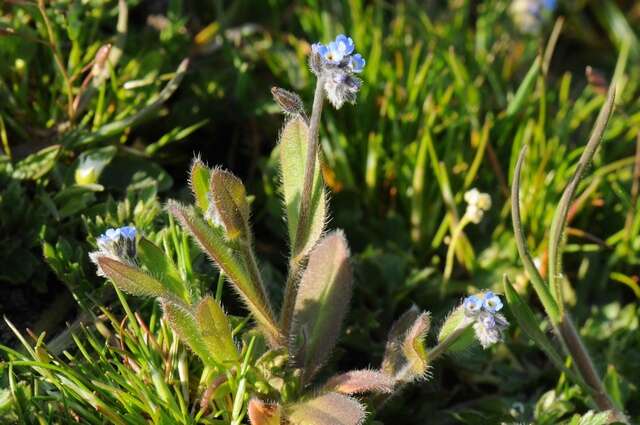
(317, 289)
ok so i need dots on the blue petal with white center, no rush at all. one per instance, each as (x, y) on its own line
(491, 302)
(472, 305)
(344, 45)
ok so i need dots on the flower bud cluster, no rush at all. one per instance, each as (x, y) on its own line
(335, 65)
(118, 244)
(488, 323)
(477, 204)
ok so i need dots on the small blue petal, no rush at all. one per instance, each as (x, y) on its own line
(334, 54)
(549, 4)
(472, 305)
(112, 234)
(356, 63)
(128, 232)
(319, 48)
(344, 44)
(491, 302)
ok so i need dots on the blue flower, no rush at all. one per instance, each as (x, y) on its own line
(356, 63)
(472, 305)
(118, 244)
(343, 45)
(128, 232)
(491, 302)
(336, 63)
(549, 4)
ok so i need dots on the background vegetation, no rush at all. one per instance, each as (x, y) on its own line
(452, 91)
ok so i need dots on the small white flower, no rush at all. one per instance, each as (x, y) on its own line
(474, 213)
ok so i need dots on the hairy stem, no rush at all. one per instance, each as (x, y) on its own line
(586, 368)
(290, 291)
(255, 276)
(310, 166)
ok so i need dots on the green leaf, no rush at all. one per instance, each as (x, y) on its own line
(530, 326)
(132, 280)
(212, 241)
(37, 164)
(591, 418)
(162, 267)
(199, 178)
(293, 152)
(183, 322)
(539, 285)
(321, 303)
(456, 322)
(327, 409)
(89, 165)
(562, 211)
(525, 89)
(230, 199)
(216, 331)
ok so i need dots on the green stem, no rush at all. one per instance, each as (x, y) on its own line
(310, 166)
(586, 368)
(246, 251)
(455, 236)
(290, 291)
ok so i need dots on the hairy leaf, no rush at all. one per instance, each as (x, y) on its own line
(230, 198)
(199, 182)
(530, 325)
(327, 409)
(293, 159)
(213, 242)
(405, 357)
(361, 381)
(183, 322)
(216, 330)
(131, 279)
(162, 268)
(454, 322)
(261, 413)
(541, 288)
(322, 302)
(562, 211)
(592, 418)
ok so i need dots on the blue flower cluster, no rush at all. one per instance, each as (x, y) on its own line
(489, 324)
(118, 244)
(340, 53)
(335, 65)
